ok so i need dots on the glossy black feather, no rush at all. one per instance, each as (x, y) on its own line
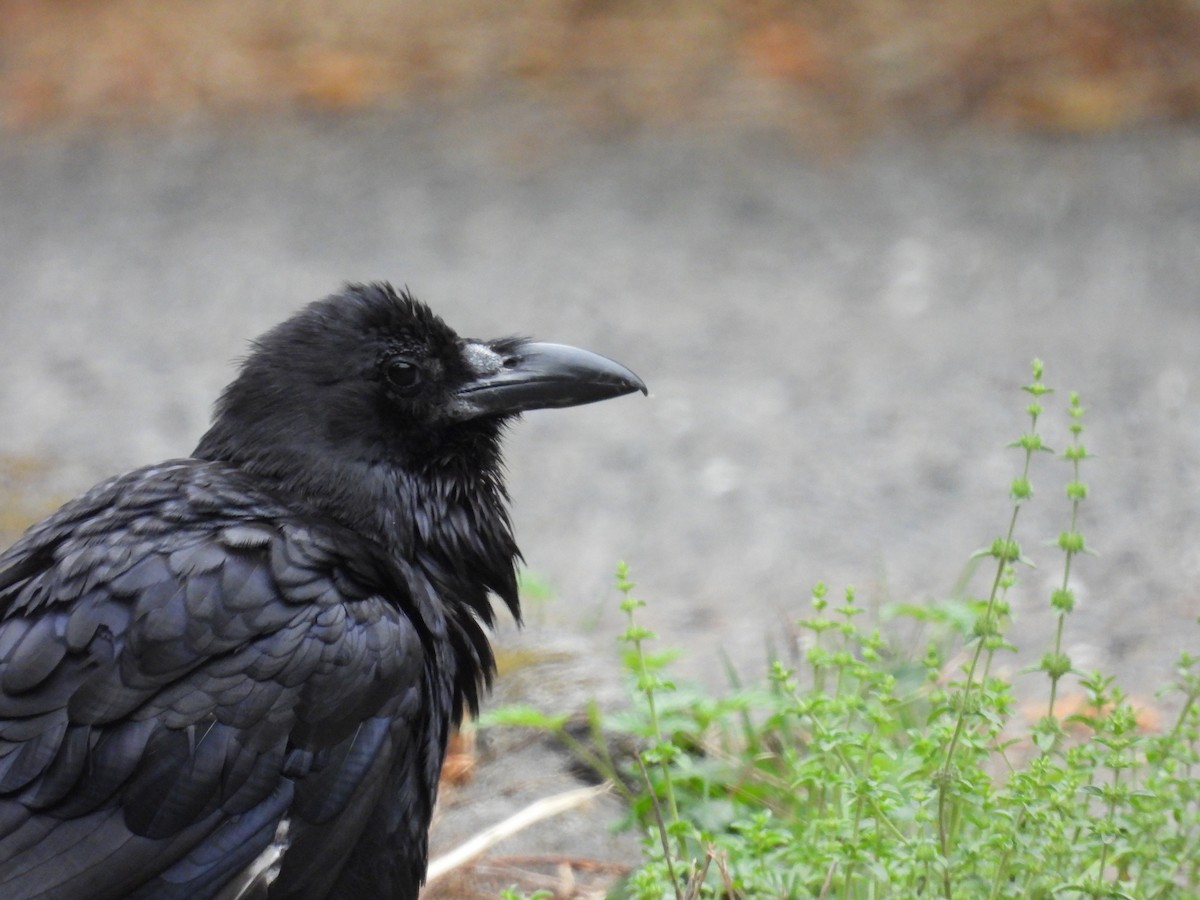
(178, 685)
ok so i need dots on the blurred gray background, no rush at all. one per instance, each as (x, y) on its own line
(832, 286)
(834, 352)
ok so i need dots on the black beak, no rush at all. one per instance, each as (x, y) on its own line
(529, 375)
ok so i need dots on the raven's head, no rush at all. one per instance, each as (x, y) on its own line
(374, 374)
(370, 382)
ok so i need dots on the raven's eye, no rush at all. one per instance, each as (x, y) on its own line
(402, 374)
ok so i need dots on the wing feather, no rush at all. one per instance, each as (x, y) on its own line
(182, 664)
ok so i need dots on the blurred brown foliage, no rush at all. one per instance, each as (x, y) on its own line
(841, 65)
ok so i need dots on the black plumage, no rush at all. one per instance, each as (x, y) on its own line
(233, 675)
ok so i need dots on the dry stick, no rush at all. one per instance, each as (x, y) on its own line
(530, 815)
(828, 883)
(535, 881)
(696, 883)
(578, 863)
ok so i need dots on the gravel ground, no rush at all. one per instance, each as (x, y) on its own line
(832, 349)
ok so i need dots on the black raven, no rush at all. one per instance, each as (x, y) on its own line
(233, 675)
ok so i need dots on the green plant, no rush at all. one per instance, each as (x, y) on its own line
(875, 768)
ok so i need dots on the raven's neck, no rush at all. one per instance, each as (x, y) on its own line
(445, 511)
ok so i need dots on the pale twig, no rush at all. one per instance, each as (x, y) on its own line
(530, 815)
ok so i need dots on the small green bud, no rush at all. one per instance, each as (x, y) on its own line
(1063, 600)
(933, 655)
(993, 642)
(624, 585)
(1031, 442)
(1008, 551)
(638, 633)
(1077, 490)
(1075, 452)
(1021, 489)
(1076, 413)
(1071, 542)
(1056, 665)
(817, 625)
(1037, 389)
(1039, 368)
(818, 595)
(986, 626)
(1035, 409)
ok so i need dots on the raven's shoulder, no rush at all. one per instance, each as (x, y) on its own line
(189, 565)
(174, 509)
(191, 516)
